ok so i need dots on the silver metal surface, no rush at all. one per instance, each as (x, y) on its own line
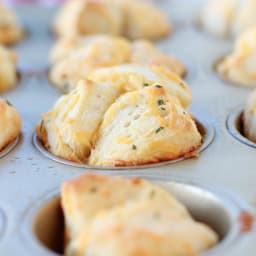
(9, 147)
(206, 129)
(206, 205)
(2, 223)
(26, 174)
(234, 126)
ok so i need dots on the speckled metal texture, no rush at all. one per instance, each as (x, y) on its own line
(27, 176)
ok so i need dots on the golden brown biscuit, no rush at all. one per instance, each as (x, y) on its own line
(144, 21)
(105, 193)
(10, 123)
(134, 77)
(240, 66)
(145, 53)
(66, 45)
(114, 216)
(82, 17)
(100, 51)
(143, 127)
(10, 29)
(8, 74)
(146, 228)
(228, 17)
(74, 58)
(68, 129)
(134, 19)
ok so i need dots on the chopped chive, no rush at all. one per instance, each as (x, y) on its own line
(158, 86)
(9, 103)
(163, 108)
(145, 84)
(159, 129)
(160, 102)
(134, 147)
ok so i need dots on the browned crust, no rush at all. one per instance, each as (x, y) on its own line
(42, 136)
(11, 36)
(192, 152)
(10, 141)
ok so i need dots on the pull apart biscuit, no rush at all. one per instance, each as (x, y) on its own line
(240, 66)
(10, 30)
(74, 58)
(130, 18)
(143, 127)
(71, 129)
(228, 17)
(8, 73)
(10, 124)
(114, 216)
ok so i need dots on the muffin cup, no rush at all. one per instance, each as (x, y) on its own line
(43, 228)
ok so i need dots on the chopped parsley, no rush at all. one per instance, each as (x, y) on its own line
(182, 84)
(158, 86)
(160, 102)
(8, 103)
(145, 84)
(163, 108)
(134, 147)
(159, 129)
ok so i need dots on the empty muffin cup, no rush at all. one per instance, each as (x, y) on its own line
(234, 124)
(203, 124)
(43, 227)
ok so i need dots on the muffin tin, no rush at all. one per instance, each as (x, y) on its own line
(28, 179)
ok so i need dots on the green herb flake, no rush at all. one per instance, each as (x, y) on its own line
(163, 108)
(159, 129)
(160, 102)
(134, 147)
(184, 112)
(8, 103)
(182, 84)
(145, 84)
(158, 86)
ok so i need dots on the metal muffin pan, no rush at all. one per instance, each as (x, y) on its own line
(28, 177)
(9, 147)
(235, 127)
(43, 227)
(204, 127)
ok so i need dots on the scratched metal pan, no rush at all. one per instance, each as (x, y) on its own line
(43, 228)
(26, 174)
